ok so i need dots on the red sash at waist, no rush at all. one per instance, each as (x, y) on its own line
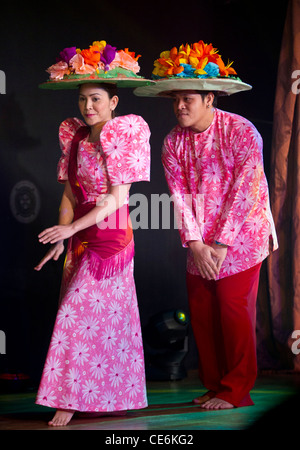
(108, 246)
(108, 237)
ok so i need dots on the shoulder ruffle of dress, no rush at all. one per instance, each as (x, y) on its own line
(132, 125)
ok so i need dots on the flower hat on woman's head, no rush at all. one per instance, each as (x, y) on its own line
(100, 63)
(192, 67)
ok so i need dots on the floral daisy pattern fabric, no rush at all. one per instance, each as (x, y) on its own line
(220, 190)
(127, 151)
(95, 360)
(121, 156)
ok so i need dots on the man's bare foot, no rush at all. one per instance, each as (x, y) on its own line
(204, 398)
(216, 403)
(61, 418)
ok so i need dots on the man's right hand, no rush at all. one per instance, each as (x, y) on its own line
(205, 258)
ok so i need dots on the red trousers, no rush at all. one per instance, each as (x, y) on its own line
(223, 317)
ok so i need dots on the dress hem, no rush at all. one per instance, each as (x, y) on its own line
(91, 410)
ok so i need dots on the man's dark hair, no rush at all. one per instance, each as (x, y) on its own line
(205, 93)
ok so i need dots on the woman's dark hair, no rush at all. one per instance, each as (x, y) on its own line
(112, 90)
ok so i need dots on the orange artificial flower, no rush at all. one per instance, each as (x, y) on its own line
(132, 54)
(202, 51)
(91, 56)
(226, 70)
(196, 56)
(170, 62)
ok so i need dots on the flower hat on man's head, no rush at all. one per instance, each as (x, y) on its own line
(100, 63)
(192, 67)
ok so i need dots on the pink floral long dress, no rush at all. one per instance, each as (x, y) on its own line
(95, 361)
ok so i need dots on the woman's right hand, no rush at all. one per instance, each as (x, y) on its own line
(53, 253)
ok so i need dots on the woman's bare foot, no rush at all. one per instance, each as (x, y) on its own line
(61, 418)
(216, 403)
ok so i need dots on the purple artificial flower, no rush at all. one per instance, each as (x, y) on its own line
(108, 56)
(67, 54)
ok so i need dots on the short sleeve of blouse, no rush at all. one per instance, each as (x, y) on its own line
(67, 131)
(126, 146)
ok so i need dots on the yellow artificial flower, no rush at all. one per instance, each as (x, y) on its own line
(158, 70)
(200, 67)
(185, 49)
(167, 64)
(100, 44)
(193, 61)
(165, 54)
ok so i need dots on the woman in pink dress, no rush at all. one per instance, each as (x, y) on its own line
(95, 361)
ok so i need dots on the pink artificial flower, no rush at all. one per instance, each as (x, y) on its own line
(58, 70)
(78, 65)
(125, 61)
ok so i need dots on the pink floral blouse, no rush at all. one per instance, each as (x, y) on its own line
(121, 156)
(220, 190)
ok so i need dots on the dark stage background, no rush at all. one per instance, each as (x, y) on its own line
(247, 32)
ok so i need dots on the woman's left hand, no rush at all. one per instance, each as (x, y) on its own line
(56, 233)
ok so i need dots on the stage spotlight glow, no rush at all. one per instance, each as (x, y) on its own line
(181, 316)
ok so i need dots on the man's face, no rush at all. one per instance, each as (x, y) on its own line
(190, 109)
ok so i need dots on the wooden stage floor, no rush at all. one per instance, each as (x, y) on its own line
(170, 408)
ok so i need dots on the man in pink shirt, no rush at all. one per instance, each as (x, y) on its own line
(213, 163)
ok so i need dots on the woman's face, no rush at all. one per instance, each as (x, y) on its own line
(95, 104)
